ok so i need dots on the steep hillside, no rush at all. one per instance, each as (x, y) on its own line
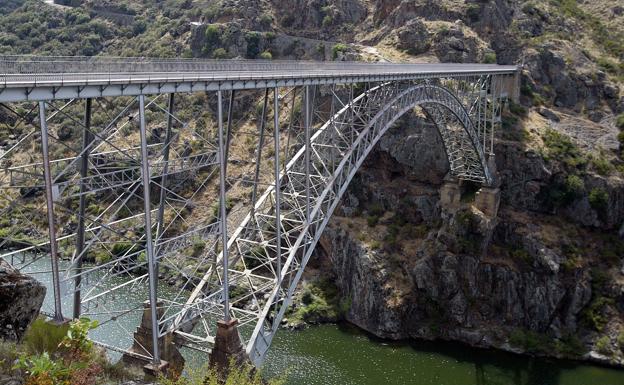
(548, 276)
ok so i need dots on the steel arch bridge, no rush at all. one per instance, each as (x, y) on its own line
(252, 155)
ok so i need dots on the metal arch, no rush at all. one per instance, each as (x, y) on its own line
(392, 102)
(261, 338)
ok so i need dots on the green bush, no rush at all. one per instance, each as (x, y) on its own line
(603, 346)
(372, 220)
(489, 58)
(561, 147)
(219, 53)
(327, 21)
(601, 165)
(237, 375)
(253, 44)
(43, 336)
(594, 316)
(619, 122)
(620, 138)
(8, 355)
(599, 199)
(574, 185)
(320, 302)
(42, 369)
(266, 55)
(620, 340)
(338, 49)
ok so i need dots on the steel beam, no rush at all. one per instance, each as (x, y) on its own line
(163, 179)
(58, 312)
(223, 211)
(149, 246)
(87, 138)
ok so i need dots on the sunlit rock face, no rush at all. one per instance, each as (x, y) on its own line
(21, 298)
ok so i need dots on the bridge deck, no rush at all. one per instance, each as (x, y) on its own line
(35, 78)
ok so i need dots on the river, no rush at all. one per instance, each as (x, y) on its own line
(343, 355)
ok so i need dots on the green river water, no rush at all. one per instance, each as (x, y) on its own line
(343, 355)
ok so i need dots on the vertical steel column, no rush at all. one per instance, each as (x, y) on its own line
(58, 313)
(149, 246)
(229, 125)
(254, 192)
(307, 150)
(163, 179)
(278, 200)
(87, 138)
(222, 203)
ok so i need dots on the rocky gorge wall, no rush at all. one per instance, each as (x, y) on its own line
(538, 279)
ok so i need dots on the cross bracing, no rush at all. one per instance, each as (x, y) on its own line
(171, 161)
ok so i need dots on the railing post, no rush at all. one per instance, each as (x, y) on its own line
(87, 137)
(149, 247)
(58, 313)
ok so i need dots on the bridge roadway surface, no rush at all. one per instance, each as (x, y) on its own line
(51, 78)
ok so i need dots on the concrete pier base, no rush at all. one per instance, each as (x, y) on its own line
(227, 348)
(142, 347)
(488, 201)
(450, 195)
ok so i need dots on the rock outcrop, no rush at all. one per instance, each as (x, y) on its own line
(21, 298)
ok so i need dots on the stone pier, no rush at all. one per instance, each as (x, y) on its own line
(450, 195)
(488, 200)
(227, 348)
(142, 347)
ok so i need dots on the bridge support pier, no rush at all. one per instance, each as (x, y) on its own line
(142, 347)
(450, 195)
(488, 200)
(227, 348)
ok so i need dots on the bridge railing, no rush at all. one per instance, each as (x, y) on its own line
(16, 64)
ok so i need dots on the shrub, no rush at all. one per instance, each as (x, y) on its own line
(594, 314)
(219, 53)
(41, 369)
(620, 138)
(266, 55)
(561, 147)
(43, 336)
(253, 44)
(603, 346)
(489, 58)
(77, 338)
(620, 340)
(619, 121)
(338, 49)
(372, 220)
(599, 199)
(327, 21)
(213, 35)
(601, 165)
(574, 185)
(237, 375)
(8, 355)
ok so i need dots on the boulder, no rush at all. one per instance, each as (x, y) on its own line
(414, 37)
(21, 298)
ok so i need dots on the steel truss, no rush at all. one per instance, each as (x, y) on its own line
(174, 184)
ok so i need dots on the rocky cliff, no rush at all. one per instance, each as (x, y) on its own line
(20, 300)
(527, 281)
